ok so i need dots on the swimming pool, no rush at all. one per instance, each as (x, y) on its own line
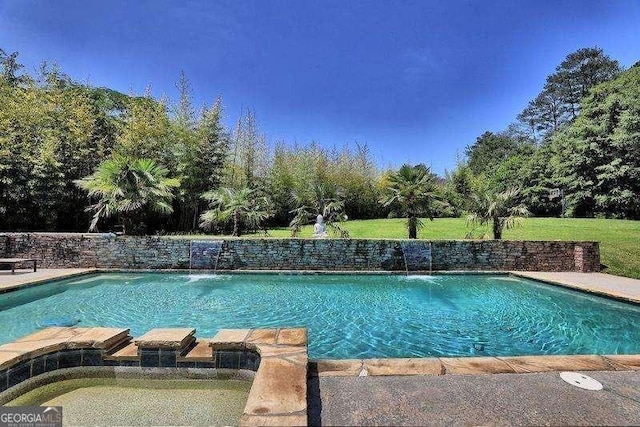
(348, 316)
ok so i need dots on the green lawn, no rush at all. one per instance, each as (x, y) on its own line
(619, 239)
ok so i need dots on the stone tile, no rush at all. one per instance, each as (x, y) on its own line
(37, 366)
(297, 336)
(426, 366)
(51, 362)
(19, 373)
(249, 360)
(92, 358)
(629, 361)
(475, 365)
(34, 348)
(70, 359)
(166, 338)
(262, 336)
(231, 335)
(279, 420)
(524, 364)
(230, 339)
(298, 358)
(129, 352)
(168, 358)
(104, 338)
(9, 358)
(280, 351)
(148, 358)
(3, 380)
(52, 333)
(227, 359)
(336, 368)
(202, 352)
(279, 387)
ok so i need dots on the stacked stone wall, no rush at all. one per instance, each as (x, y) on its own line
(4, 240)
(124, 252)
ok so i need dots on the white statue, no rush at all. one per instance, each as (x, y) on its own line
(319, 229)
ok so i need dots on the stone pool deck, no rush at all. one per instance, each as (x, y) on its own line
(623, 288)
(27, 277)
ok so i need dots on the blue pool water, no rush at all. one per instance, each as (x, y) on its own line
(348, 316)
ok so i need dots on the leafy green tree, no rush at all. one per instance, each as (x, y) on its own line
(10, 67)
(546, 113)
(458, 187)
(128, 187)
(146, 131)
(490, 150)
(245, 207)
(200, 144)
(331, 209)
(579, 72)
(559, 101)
(306, 175)
(599, 154)
(202, 164)
(355, 173)
(502, 210)
(410, 192)
(540, 179)
(248, 154)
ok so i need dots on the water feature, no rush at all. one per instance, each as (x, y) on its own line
(417, 255)
(204, 254)
(348, 316)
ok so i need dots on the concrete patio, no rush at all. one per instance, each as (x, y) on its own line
(471, 400)
(624, 288)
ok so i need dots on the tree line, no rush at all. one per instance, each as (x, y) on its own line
(573, 151)
(75, 157)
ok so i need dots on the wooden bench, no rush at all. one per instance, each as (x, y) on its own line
(14, 261)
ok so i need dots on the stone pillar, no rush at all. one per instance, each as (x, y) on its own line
(586, 256)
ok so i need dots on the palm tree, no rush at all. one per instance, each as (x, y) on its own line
(320, 199)
(410, 192)
(503, 210)
(127, 187)
(246, 206)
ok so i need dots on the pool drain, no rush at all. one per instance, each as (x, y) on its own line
(581, 380)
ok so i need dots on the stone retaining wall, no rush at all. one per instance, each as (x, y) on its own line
(4, 241)
(110, 251)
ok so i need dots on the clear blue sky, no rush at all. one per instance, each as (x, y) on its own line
(416, 80)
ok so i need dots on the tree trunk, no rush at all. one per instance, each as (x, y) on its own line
(196, 215)
(413, 227)
(236, 223)
(497, 229)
